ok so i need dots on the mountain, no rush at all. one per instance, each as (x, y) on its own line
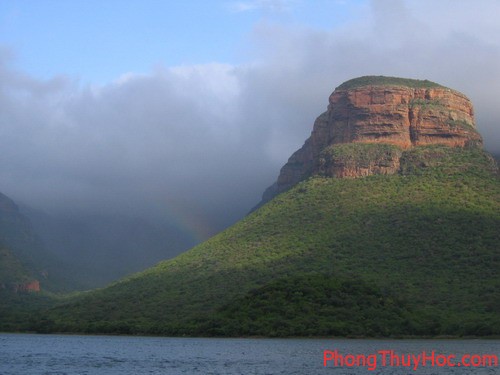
(105, 248)
(25, 263)
(31, 261)
(385, 223)
(378, 111)
(29, 273)
(62, 253)
(13, 273)
(43, 256)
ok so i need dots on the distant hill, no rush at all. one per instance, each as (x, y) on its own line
(104, 248)
(42, 256)
(25, 263)
(385, 223)
(12, 271)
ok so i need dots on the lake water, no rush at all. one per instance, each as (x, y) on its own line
(57, 354)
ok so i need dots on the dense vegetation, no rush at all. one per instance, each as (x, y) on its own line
(23, 256)
(361, 154)
(21, 311)
(11, 268)
(409, 254)
(311, 304)
(387, 81)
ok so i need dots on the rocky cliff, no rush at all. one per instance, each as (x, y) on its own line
(23, 258)
(369, 124)
(29, 287)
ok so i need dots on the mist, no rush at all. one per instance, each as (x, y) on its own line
(196, 145)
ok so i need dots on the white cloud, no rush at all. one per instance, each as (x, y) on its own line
(262, 5)
(213, 136)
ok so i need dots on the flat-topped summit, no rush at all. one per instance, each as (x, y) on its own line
(381, 117)
(404, 112)
(388, 81)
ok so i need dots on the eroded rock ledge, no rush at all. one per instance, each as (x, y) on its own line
(395, 112)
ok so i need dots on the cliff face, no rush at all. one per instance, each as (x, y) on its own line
(403, 116)
(385, 111)
(28, 287)
(22, 255)
(33, 286)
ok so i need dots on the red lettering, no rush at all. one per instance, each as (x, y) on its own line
(425, 358)
(394, 359)
(451, 363)
(475, 360)
(465, 360)
(441, 360)
(490, 360)
(350, 360)
(416, 361)
(384, 354)
(328, 355)
(372, 362)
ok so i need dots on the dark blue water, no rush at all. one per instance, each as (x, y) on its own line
(55, 354)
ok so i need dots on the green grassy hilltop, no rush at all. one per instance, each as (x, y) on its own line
(387, 81)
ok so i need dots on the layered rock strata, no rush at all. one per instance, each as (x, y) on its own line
(397, 112)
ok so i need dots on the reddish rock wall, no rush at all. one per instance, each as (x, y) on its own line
(401, 116)
(32, 286)
(391, 114)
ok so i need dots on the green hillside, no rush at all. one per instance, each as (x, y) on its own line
(387, 81)
(21, 254)
(11, 269)
(414, 253)
(24, 257)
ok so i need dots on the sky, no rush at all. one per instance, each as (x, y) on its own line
(186, 110)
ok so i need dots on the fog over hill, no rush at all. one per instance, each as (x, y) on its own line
(386, 227)
(101, 249)
(194, 146)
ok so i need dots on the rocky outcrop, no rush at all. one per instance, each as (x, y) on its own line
(404, 116)
(399, 112)
(359, 160)
(28, 287)
(22, 253)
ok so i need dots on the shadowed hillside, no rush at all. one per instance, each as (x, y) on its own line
(370, 232)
